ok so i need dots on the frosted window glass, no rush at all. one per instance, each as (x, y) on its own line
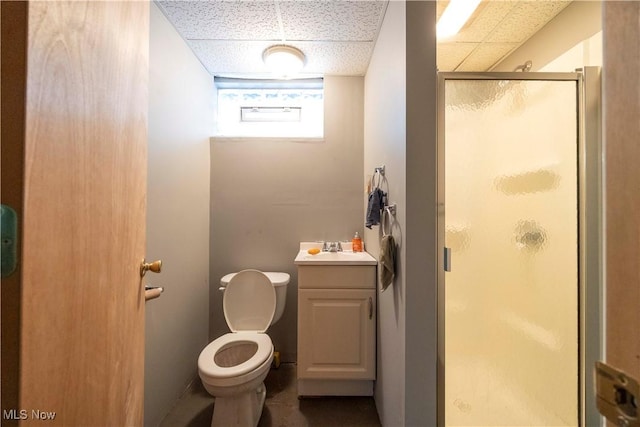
(511, 310)
(307, 103)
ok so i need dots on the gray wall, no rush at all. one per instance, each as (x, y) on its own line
(400, 132)
(421, 272)
(385, 144)
(267, 196)
(180, 123)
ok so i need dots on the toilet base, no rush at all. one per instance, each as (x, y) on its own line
(239, 410)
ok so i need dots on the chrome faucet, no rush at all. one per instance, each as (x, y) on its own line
(331, 247)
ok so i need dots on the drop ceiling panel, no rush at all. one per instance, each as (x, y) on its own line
(224, 20)
(525, 19)
(498, 27)
(235, 58)
(337, 58)
(484, 22)
(337, 36)
(450, 55)
(332, 20)
(229, 57)
(486, 55)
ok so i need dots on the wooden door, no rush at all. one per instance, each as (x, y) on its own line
(81, 357)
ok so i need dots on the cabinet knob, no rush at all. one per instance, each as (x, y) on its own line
(370, 308)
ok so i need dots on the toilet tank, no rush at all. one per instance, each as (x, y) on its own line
(279, 281)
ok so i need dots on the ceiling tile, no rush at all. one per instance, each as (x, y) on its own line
(484, 21)
(337, 58)
(233, 57)
(331, 20)
(337, 36)
(440, 7)
(486, 55)
(450, 55)
(227, 57)
(525, 19)
(224, 20)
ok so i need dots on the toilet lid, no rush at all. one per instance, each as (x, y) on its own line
(249, 302)
(277, 278)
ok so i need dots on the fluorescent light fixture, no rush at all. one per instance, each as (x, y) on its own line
(284, 61)
(455, 16)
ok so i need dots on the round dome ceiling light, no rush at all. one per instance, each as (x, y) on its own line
(284, 61)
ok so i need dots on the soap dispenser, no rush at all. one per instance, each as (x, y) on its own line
(356, 243)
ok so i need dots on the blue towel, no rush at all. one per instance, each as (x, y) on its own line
(376, 202)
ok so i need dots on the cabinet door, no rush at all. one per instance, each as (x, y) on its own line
(336, 333)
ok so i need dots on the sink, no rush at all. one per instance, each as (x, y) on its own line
(346, 257)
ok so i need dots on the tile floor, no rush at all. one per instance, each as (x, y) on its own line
(282, 407)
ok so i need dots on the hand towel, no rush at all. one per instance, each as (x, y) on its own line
(376, 201)
(387, 261)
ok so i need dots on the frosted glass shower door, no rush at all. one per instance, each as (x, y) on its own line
(511, 223)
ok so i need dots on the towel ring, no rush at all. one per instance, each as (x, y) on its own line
(382, 221)
(387, 212)
(373, 179)
(380, 172)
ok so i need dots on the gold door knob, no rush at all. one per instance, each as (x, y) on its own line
(155, 266)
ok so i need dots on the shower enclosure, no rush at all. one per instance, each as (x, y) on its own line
(515, 180)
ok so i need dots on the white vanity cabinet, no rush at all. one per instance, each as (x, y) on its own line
(336, 330)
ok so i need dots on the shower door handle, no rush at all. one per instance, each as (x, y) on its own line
(447, 259)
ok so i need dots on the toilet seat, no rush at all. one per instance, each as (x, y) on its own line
(248, 305)
(207, 363)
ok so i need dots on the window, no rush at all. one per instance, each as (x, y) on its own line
(270, 108)
(270, 114)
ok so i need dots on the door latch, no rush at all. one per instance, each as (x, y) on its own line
(617, 395)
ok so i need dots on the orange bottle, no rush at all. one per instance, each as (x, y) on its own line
(356, 243)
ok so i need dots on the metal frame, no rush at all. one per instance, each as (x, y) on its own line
(591, 262)
(589, 222)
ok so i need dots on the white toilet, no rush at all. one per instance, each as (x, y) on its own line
(233, 367)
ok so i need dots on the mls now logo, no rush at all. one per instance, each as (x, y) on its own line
(23, 414)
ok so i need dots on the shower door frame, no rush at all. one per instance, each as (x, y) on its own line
(590, 226)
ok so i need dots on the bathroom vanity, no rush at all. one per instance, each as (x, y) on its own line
(336, 323)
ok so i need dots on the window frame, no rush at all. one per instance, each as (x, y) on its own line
(302, 128)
